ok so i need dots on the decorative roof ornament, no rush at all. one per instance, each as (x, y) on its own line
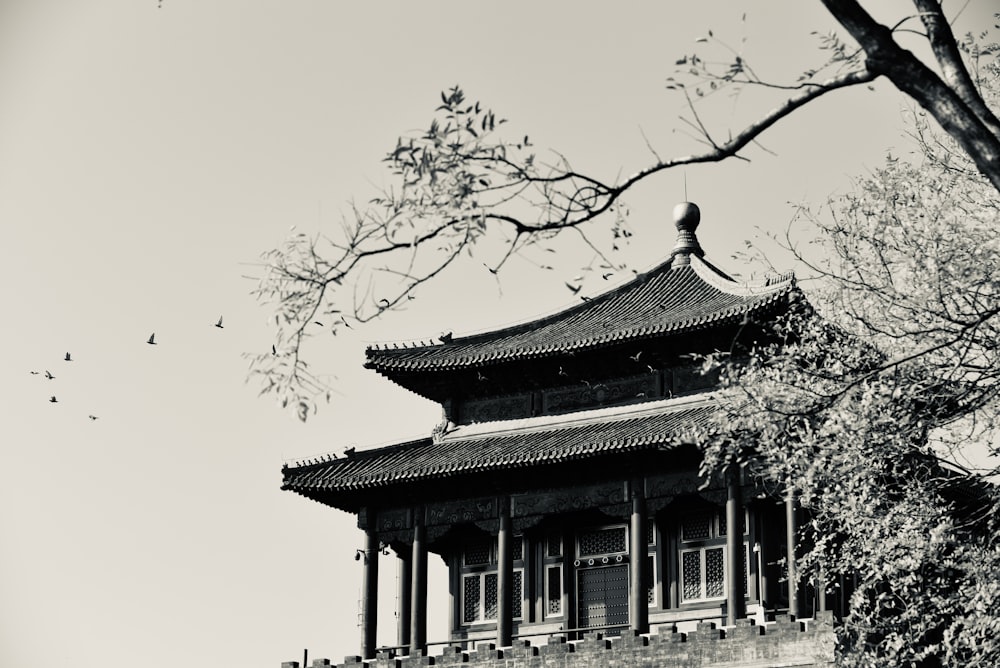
(687, 215)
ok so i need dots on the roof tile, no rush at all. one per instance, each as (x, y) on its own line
(665, 300)
(532, 442)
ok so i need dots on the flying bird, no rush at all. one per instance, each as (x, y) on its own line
(573, 288)
(635, 358)
(152, 339)
(53, 400)
(68, 358)
(274, 349)
(48, 375)
(219, 324)
(33, 373)
(92, 417)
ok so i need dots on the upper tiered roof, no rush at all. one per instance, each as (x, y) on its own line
(683, 294)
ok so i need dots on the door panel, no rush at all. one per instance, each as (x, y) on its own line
(602, 597)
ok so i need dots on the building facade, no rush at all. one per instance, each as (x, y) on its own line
(563, 490)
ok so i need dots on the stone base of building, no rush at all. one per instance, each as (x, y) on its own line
(783, 643)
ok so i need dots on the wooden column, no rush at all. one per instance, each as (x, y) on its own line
(403, 601)
(735, 589)
(638, 607)
(418, 588)
(505, 577)
(791, 534)
(369, 602)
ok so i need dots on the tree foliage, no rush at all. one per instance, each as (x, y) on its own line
(858, 409)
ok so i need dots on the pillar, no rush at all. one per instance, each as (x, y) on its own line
(735, 589)
(791, 531)
(418, 588)
(369, 601)
(505, 577)
(403, 600)
(638, 607)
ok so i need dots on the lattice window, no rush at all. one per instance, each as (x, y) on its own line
(703, 573)
(650, 580)
(484, 552)
(696, 527)
(602, 541)
(650, 533)
(490, 609)
(515, 605)
(470, 607)
(517, 548)
(553, 545)
(691, 574)
(715, 573)
(553, 590)
(704, 556)
(477, 553)
(480, 596)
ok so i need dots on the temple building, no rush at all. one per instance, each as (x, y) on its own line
(562, 493)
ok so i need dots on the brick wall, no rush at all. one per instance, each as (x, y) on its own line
(783, 643)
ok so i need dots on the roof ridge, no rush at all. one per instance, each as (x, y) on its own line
(721, 281)
(375, 451)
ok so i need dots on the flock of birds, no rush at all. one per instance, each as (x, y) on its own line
(69, 358)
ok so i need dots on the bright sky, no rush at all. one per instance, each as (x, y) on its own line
(148, 155)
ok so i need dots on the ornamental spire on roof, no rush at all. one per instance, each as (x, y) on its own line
(687, 215)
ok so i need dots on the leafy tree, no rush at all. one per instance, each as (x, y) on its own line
(853, 409)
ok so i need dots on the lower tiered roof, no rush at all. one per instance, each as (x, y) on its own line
(495, 446)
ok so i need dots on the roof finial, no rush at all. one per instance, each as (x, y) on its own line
(686, 218)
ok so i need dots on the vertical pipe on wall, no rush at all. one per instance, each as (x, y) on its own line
(638, 606)
(735, 589)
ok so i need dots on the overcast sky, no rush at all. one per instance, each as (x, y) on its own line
(148, 155)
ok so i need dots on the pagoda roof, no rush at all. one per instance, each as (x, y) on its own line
(674, 297)
(502, 445)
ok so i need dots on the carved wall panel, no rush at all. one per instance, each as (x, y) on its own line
(464, 510)
(554, 502)
(661, 490)
(494, 408)
(619, 390)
